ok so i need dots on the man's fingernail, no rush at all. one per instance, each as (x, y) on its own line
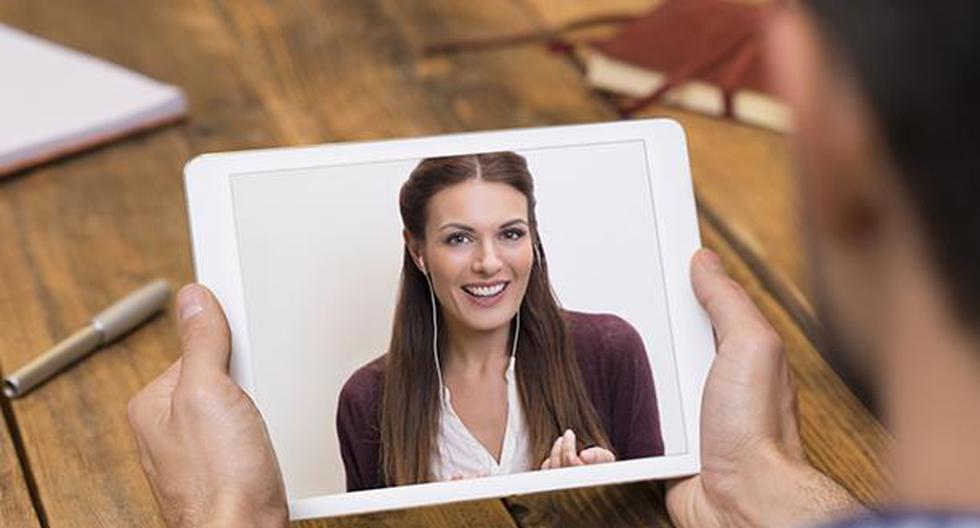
(710, 259)
(190, 301)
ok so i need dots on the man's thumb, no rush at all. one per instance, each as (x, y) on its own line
(204, 335)
(729, 307)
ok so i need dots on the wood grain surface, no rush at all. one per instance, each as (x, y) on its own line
(81, 232)
(478, 514)
(16, 510)
(633, 505)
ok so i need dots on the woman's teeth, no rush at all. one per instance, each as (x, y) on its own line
(485, 291)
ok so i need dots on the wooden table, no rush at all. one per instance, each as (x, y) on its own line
(79, 233)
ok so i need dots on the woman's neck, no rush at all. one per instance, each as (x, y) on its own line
(475, 352)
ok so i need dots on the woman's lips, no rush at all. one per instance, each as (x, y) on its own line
(484, 295)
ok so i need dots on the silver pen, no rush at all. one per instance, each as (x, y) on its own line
(104, 328)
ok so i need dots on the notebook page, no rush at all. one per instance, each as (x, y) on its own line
(54, 100)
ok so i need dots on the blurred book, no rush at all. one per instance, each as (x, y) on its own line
(56, 101)
(701, 55)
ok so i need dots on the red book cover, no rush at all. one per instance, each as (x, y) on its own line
(683, 35)
(704, 55)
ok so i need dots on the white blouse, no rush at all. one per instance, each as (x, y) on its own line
(458, 452)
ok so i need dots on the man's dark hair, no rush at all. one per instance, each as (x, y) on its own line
(918, 64)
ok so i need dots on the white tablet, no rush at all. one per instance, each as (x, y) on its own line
(386, 387)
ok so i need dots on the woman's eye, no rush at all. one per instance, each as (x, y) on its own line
(512, 234)
(456, 239)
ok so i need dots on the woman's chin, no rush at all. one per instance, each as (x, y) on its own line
(488, 319)
(486, 322)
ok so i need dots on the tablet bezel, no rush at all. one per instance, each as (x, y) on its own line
(217, 266)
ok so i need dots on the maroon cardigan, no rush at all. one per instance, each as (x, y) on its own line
(614, 367)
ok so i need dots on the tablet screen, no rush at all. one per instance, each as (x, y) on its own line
(321, 253)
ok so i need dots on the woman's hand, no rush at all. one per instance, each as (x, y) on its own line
(563, 454)
(753, 471)
(459, 476)
(202, 443)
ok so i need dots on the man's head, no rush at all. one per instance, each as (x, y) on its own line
(887, 119)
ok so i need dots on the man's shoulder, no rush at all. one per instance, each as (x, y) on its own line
(910, 519)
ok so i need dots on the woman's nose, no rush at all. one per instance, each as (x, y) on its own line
(487, 261)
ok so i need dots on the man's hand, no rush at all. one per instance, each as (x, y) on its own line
(753, 471)
(202, 442)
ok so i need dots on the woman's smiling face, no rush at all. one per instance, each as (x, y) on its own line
(478, 253)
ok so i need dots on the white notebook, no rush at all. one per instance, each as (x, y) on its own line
(55, 101)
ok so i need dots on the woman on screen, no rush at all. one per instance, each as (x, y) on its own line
(485, 374)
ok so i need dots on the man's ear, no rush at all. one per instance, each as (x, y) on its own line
(413, 246)
(836, 141)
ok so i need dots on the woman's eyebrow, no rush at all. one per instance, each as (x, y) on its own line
(513, 222)
(464, 227)
(455, 225)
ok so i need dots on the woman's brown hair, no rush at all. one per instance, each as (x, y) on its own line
(549, 382)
